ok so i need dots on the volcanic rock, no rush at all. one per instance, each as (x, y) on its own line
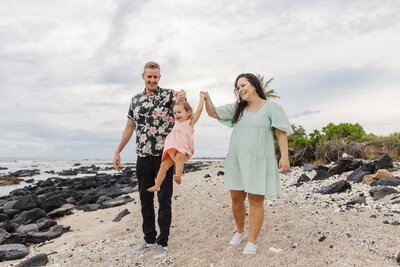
(337, 187)
(322, 173)
(29, 216)
(13, 251)
(61, 211)
(39, 237)
(358, 175)
(381, 191)
(387, 182)
(383, 162)
(37, 260)
(122, 214)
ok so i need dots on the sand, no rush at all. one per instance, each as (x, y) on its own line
(202, 226)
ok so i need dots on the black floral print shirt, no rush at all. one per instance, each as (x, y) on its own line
(153, 118)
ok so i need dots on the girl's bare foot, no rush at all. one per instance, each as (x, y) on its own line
(177, 179)
(154, 188)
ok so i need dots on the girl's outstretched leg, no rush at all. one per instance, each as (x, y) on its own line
(179, 161)
(165, 165)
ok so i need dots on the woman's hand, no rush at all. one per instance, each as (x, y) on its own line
(284, 165)
(204, 95)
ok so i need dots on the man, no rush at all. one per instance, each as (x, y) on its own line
(150, 114)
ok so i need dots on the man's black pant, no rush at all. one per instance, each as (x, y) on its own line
(146, 171)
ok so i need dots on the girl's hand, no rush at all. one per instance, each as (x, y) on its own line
(180, 95)
(284, 165)
(204, 95)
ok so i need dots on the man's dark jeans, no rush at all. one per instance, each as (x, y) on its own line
(146, 171)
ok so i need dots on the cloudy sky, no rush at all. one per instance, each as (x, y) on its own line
(69, 68)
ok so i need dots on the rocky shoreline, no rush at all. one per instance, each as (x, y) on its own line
(349, 186)
(27, 215)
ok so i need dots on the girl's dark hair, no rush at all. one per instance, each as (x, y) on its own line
(240, 104)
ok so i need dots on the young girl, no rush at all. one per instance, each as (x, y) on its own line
(178, 146)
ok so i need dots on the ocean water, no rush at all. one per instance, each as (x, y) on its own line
(57, 165)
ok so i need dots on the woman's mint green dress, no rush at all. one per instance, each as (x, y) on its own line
(250, 164)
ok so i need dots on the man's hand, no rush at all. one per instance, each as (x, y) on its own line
(180, 95)
(117, 162)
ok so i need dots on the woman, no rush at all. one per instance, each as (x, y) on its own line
(250, 166)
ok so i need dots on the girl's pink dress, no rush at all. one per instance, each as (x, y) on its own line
(179, 139)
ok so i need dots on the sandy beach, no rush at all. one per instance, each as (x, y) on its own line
(309, 229)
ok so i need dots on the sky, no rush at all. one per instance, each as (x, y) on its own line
(68, 69)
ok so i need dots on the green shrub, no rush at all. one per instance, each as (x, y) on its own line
(348, 131)
(333, 140)
(393, 142)
(314, 138)
(300, 142)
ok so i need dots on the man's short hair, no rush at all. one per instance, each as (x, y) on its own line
(151, 65)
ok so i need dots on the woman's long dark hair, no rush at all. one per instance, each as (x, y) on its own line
(240, 104)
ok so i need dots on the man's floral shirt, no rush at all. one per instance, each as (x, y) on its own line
(153, 118)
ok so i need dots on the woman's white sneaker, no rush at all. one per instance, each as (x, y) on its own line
(250, 248)
(238, 238)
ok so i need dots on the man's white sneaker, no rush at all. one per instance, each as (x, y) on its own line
(238, 238)
(250, 248)
(143, 247)
(160, 251)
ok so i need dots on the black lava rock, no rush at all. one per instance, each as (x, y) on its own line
(45, 223)
(29, 216)
(357, 200)
(381, 191)
(303, 178)
(13, 252)
(25, 173)
(53, 203)
(387, 182)
(358, 175)
(336, 187)
(322, 173)
(383, 162)
(308, 167)
(37, 260)
(122, 214)
(344, 165)
(40, 237)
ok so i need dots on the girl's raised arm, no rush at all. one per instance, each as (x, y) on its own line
(197, 114)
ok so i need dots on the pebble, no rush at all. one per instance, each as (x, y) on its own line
(275, 250)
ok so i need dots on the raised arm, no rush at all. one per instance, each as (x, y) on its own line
(210, 108)
(126, 136)
(199, 109)
(284, 164)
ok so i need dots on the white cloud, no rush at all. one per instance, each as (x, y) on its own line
(69, 68)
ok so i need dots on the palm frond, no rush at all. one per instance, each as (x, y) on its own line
(268, 93)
